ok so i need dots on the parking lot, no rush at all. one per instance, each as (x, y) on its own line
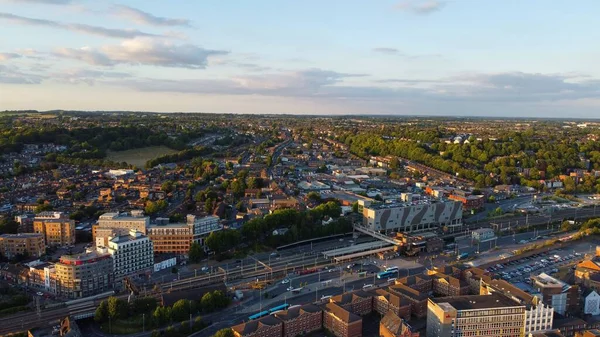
(549, 263)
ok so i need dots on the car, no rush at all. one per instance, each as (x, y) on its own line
(285, 281)
(39, 293)
(577, 254)
(392, 280)
(367, 286)
(290, 288)
(205, 268)
(341, 240)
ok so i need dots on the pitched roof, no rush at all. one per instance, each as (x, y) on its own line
(297, 311)
(341, 313)
(392, 322)
(588, 264)
(255, 325)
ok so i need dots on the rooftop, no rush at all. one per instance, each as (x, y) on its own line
(409, 204)
(341, 313)
(476, 302)
(21, 235)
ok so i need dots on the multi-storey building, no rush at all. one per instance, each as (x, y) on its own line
(299, 321)
(268, 326)
(341, 322)
(393, 326)
(57, 228)
(171, 238)
(202, 227)
(384, 302)
(412, 217)
(492, 315)
(359, 302)
(114, 224)
(132, 254)
(43, 276)
(417, 299)
(84, 275)
(31, 244)
(446, 285)
(561, 296)
(538, 316)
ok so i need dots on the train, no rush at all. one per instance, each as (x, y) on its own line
(269, 312)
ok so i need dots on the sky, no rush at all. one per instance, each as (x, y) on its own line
(505, 58)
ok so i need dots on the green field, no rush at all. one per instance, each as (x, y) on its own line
(138, 157)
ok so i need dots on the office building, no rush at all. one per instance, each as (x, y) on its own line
(538, 316)
(417, 216)
(56, 227)
(561, 296)
(115, 224)
(84, 275)
(132, 254)
(492, 315)
(171, 238)
(22, 244)
(301, 320)
(202, 227)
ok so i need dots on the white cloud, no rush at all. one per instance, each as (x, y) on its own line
(144, 51)
(386, 50)
(8, 56)
(144, 18)
(75, 27)
(45, 2)
(421, 7)
(13, 75)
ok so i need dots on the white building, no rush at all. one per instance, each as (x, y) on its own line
(116, 224)
(483, 234)
(132, 254)
(202, 227)
(592, 303)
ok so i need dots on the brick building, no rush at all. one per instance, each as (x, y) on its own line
(417, 299)
(301, 320)
(341, 322)
(359, 302)
(268, 326)
(31, 244)
(384, 302)
(56, 227)
(393, 326)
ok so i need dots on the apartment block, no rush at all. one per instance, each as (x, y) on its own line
(384, 302)
(268, 326)
(341, 322)
(114, 224)
(57, 228)
(31, 244)
(492, 315)
(132, 254)
(393, 326)
(301, 320)
(359, 302)
(445, 285)
(417, 299)
(171, 238)
(84, 275)
(561, 296)
(422, 283)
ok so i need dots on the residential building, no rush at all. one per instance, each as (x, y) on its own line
(561, 296)
(585, 271)
(301, 320)
(384, 302)
(591, 301)
(42, 276)
(268, 326)
(393, 326)
(413, 217)
(84, 275)
(114, 224)
(359, 302)
(23, 244)
(492, 315)
(341, 322)
(171, 238)
(570, 326)
(446, 285)
(132, 254)
(417, 299)
(202, 227)
(468, 200)
(548, 333)
(538, 316)
(588, 333)
(57, 228)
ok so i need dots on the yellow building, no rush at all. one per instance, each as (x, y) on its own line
(57, 229)
(31, 244)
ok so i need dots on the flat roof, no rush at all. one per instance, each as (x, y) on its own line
(365, 253)
(476, 302)
(356, 248)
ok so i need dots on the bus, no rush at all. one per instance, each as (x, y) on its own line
(259, 315)
(279, 308)
(387, 274)
(392, 269)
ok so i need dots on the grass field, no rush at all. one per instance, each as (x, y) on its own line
(139, 157)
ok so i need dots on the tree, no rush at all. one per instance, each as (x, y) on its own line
(182, 309)
(196, 253)
(355, 207)
(155, 207)
(117, 308)
(229, 165)
(315, 196)
(167, 186)
(227, 332)
(101, 313)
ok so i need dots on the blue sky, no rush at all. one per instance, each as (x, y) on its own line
(418, 57)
